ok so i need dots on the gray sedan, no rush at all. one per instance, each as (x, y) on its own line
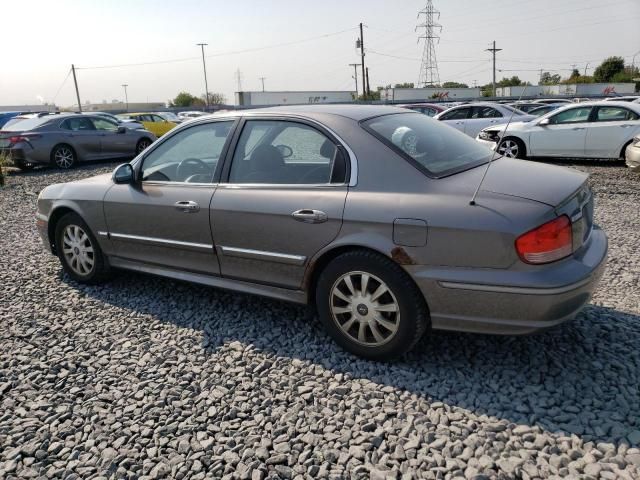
(63, 140)
(362, 212)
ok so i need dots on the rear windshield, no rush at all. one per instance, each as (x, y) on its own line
(431, 145)
(17, 125)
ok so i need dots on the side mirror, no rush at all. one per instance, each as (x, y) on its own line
(544, 121)
(123, 174)
(122, 130)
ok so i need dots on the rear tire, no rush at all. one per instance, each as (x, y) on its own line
(63, 156)
(78, 250)
(511, 147)
(370, 305)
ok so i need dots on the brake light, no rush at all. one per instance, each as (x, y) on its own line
(547, 243)
(23, 138)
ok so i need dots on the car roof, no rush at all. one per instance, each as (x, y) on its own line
(354, 112)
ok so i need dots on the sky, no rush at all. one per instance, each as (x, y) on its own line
(296, 45)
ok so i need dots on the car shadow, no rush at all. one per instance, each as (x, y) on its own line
(566, 379)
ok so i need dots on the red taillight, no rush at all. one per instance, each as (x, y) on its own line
(22, 138)
(547, 243)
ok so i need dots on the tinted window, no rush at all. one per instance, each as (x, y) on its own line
(614, 114)
(572, 115)
(104, 124)
(188, 156)
(157, 118)
(78, 124)
(456, 114)
(435, 147)
(485, 112)
(279, 152)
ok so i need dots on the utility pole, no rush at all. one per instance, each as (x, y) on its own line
(365, 91)
(75, 82)
(429, 75)
(262, 80)
(368, 88)
(238, 75)
(204, 68)
(355, 75)
(494, 50)
(126, 97)
(540, 77)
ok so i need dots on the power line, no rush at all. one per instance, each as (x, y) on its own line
(429, 65)
(60, 87)
(220, 54)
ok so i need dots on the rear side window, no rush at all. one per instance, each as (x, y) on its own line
(433, 147)
(21, 125)
(614, 114)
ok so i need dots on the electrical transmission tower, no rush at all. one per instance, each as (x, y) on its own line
(429, 75)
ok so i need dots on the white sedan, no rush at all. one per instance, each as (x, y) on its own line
(588, 130)
(473, 117)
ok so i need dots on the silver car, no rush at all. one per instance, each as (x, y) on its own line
(362, 212)
(64, 140)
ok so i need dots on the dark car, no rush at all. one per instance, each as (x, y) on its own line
(361, 211)
(63, 140)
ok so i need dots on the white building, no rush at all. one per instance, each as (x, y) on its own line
(292, 98)
(568, 89)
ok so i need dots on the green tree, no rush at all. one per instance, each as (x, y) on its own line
(214, 98)
(404, 85)
(574, 73)
(183, 99)
(454, 85)
(547, 78)
(608, 69)
(510, 82)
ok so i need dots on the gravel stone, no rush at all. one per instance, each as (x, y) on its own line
(144, 377)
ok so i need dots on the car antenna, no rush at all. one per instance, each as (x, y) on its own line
(475, 194)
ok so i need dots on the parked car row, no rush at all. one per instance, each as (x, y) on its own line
(63, 140)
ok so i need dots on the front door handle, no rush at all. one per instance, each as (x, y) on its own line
(187, 206)
(578, 128)
(310, 216)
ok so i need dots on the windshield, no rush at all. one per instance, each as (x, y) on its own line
(169, 116)
(433, 146)
(514, 110)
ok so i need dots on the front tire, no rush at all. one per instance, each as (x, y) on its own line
(511, 148)
(78, 250)
(142, 144)
(370, 305)
(64, 157)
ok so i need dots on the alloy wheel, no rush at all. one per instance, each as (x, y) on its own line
(142, 144)
(509, 148)
(63, 157)
(364, 308)
(78, 250)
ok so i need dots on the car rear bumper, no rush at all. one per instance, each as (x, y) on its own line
(20, 155)
(513, 302)
(632, 157)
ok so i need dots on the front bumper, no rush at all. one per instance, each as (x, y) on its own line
(632, 157)
(513, 302)
(487, 143)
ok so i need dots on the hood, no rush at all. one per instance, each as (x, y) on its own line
(521, 124)
(548, 184)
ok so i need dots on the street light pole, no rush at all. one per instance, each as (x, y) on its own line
(204, 68)
(126, 97)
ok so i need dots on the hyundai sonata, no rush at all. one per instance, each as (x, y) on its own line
(362, 212)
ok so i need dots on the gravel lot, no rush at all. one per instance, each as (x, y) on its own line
(151, 378)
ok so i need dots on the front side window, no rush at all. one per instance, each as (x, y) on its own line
(157, 118)
(572, 115)
(435, 147)
(614, 114)
(189, 156)
(104, 124)
(284, 152)
(457, 114)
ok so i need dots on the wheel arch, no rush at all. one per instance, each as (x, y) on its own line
(519, 140)
(624, 147)
(54, 217)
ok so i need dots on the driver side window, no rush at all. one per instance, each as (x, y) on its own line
(189, 156)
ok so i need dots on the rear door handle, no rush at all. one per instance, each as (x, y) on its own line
(187, 206)
(310, 216)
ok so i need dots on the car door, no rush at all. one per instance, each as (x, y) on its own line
(610, 128)
(456, 117)
(280, 200)
(162, 125)
(163, 218)
(481, 117)
(563, 136)
(80, 133)
(113, 143)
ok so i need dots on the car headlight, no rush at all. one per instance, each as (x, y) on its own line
(491, 136)
(636, 141)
